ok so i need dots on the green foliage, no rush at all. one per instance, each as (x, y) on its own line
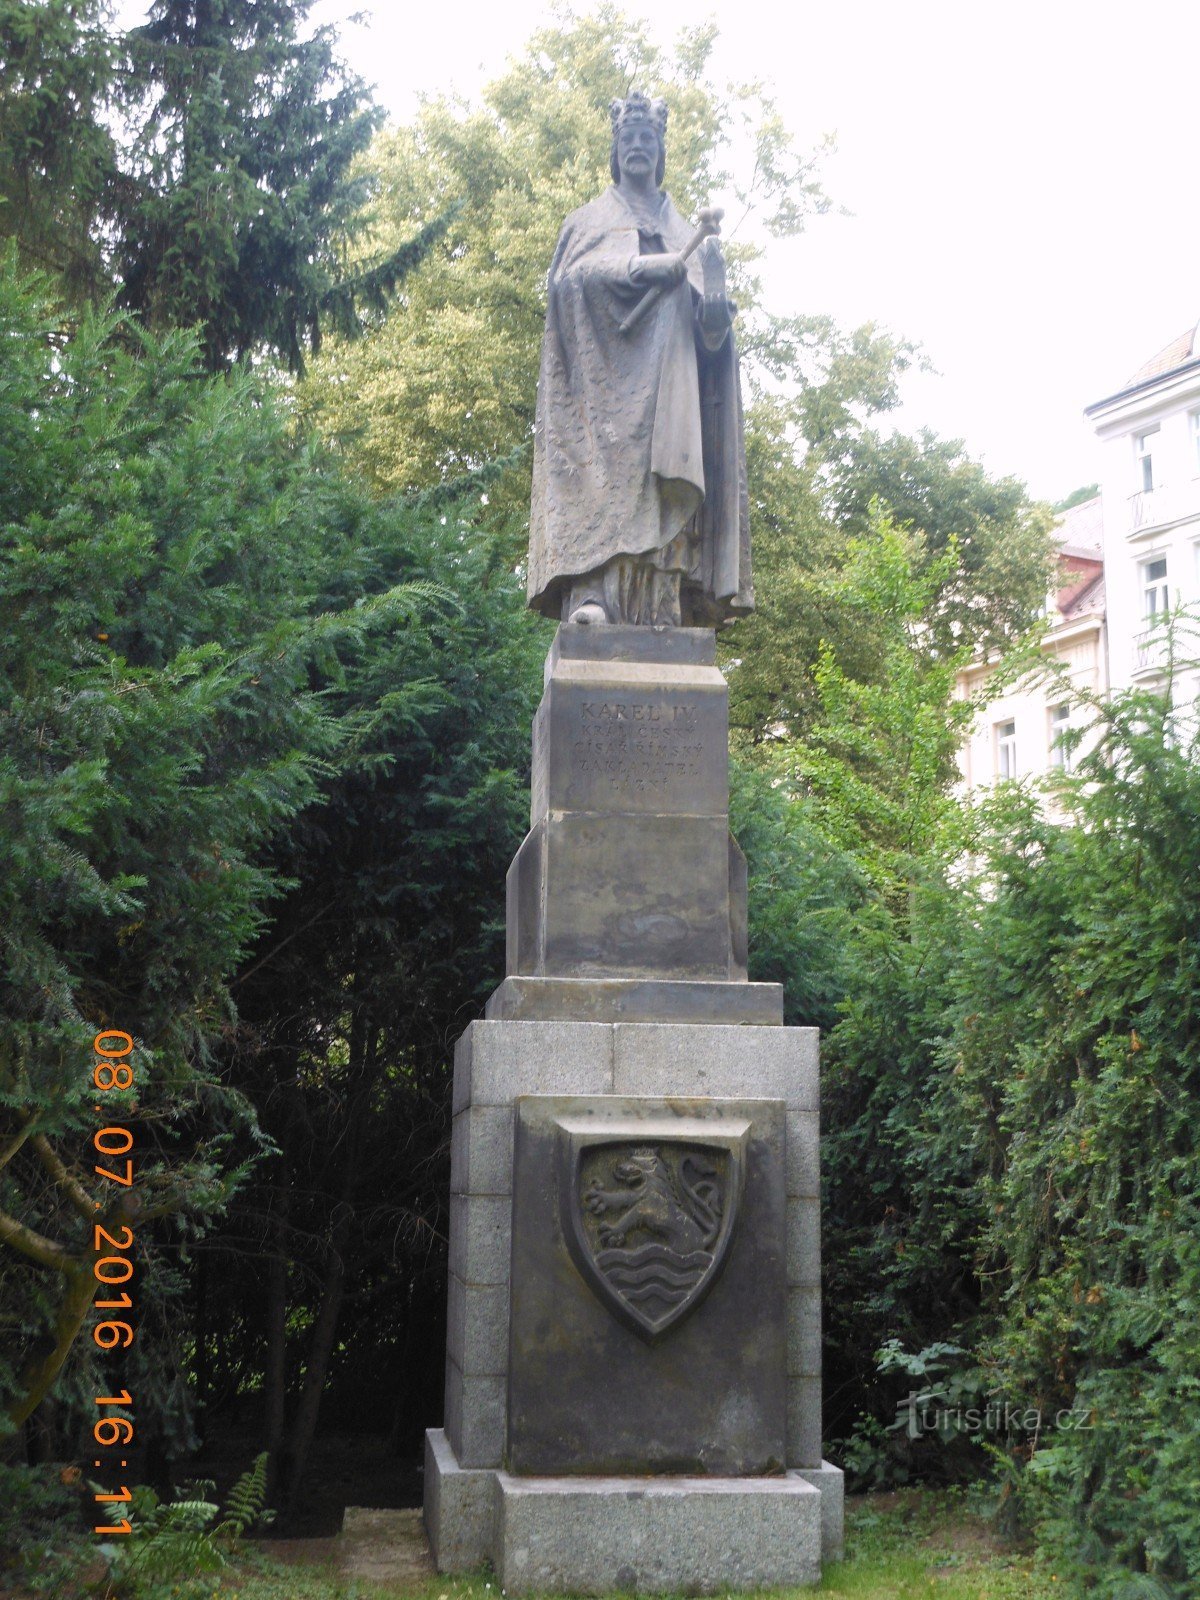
(41, 1539)
(803, 895)
(240, 199)
(166, 1540)
(245, 1505)
(988, 595)
(387, 944)
(823, 485)
(1087, 491)
(155, 730)
(1012, 1099)
(880, 755)
(1094, 1070)
(873, 775)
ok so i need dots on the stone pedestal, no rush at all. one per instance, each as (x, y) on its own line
(633, 1369)
(627, 899)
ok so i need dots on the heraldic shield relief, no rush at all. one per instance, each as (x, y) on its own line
(649, 1219)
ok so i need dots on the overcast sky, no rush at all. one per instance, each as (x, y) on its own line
(1024, 180)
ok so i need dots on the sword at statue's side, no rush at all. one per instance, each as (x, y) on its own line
(709, 228)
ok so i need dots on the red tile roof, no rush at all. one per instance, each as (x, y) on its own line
(1088, 602)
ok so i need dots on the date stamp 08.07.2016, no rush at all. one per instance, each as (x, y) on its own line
(112, 1263)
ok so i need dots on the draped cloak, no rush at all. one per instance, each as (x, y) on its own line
(638, 436)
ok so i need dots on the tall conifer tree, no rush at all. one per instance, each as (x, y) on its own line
(57, 162)
(242, 195)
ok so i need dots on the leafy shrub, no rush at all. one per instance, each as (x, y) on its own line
(42, 1537)
(1083, 1052)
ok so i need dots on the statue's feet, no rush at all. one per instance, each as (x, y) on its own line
(589, 613)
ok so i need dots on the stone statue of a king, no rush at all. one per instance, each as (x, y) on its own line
(639, 508)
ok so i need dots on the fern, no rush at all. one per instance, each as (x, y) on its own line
(177, 1539)
(246, 1502)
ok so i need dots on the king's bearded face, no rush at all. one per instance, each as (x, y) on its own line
(638, 150)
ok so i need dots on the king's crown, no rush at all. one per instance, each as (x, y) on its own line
(638, 109)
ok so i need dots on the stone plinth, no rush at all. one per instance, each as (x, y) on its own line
(521, 999)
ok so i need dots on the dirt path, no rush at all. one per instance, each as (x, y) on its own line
(382, 1547)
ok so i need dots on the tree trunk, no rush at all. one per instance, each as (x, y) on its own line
(275, 1369)
(363, 1041)
(36, 1380)
(203, 1364)
(320, 1348)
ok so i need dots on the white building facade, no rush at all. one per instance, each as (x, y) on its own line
(1150, 431)
(1128, 559)
(1019, 730)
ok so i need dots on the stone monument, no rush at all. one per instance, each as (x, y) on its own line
(633, 1374)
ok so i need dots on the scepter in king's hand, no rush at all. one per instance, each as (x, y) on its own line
(709, 227)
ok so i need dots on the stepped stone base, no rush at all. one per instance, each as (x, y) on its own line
(653, 1535)
(523, 999)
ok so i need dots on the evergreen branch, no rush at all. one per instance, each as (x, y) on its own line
(39, 1375)
(272, 953)
(375, 287)
(442, 495)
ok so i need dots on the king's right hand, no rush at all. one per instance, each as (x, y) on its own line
(667, 270)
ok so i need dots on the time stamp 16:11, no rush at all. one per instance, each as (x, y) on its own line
(112, 1262)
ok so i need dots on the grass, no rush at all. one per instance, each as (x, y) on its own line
(916, 1545)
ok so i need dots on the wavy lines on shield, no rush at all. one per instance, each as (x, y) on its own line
(654, 1276)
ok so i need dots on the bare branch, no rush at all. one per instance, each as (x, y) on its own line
(35, 1245)
(83, 1202)
(14, 1144)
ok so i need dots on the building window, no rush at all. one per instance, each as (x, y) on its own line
(1154, 589)
(1194, 428)
(1060, 721)
(1143, 445)
(1006, 749)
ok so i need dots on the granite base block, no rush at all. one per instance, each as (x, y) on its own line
(477, 1328)
(476, 1416)
(829, 1482)
(458, 1508)
(655, 1536)
(462, 1507)
(494, 1062)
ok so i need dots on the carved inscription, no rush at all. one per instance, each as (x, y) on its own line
(635, 747)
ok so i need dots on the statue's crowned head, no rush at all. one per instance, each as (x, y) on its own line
(647, 113)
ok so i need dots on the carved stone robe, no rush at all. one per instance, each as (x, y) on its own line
(638, 443)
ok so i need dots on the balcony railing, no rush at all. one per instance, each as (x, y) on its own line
(1146, 509)
(1154, 508)
(1150, 650)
